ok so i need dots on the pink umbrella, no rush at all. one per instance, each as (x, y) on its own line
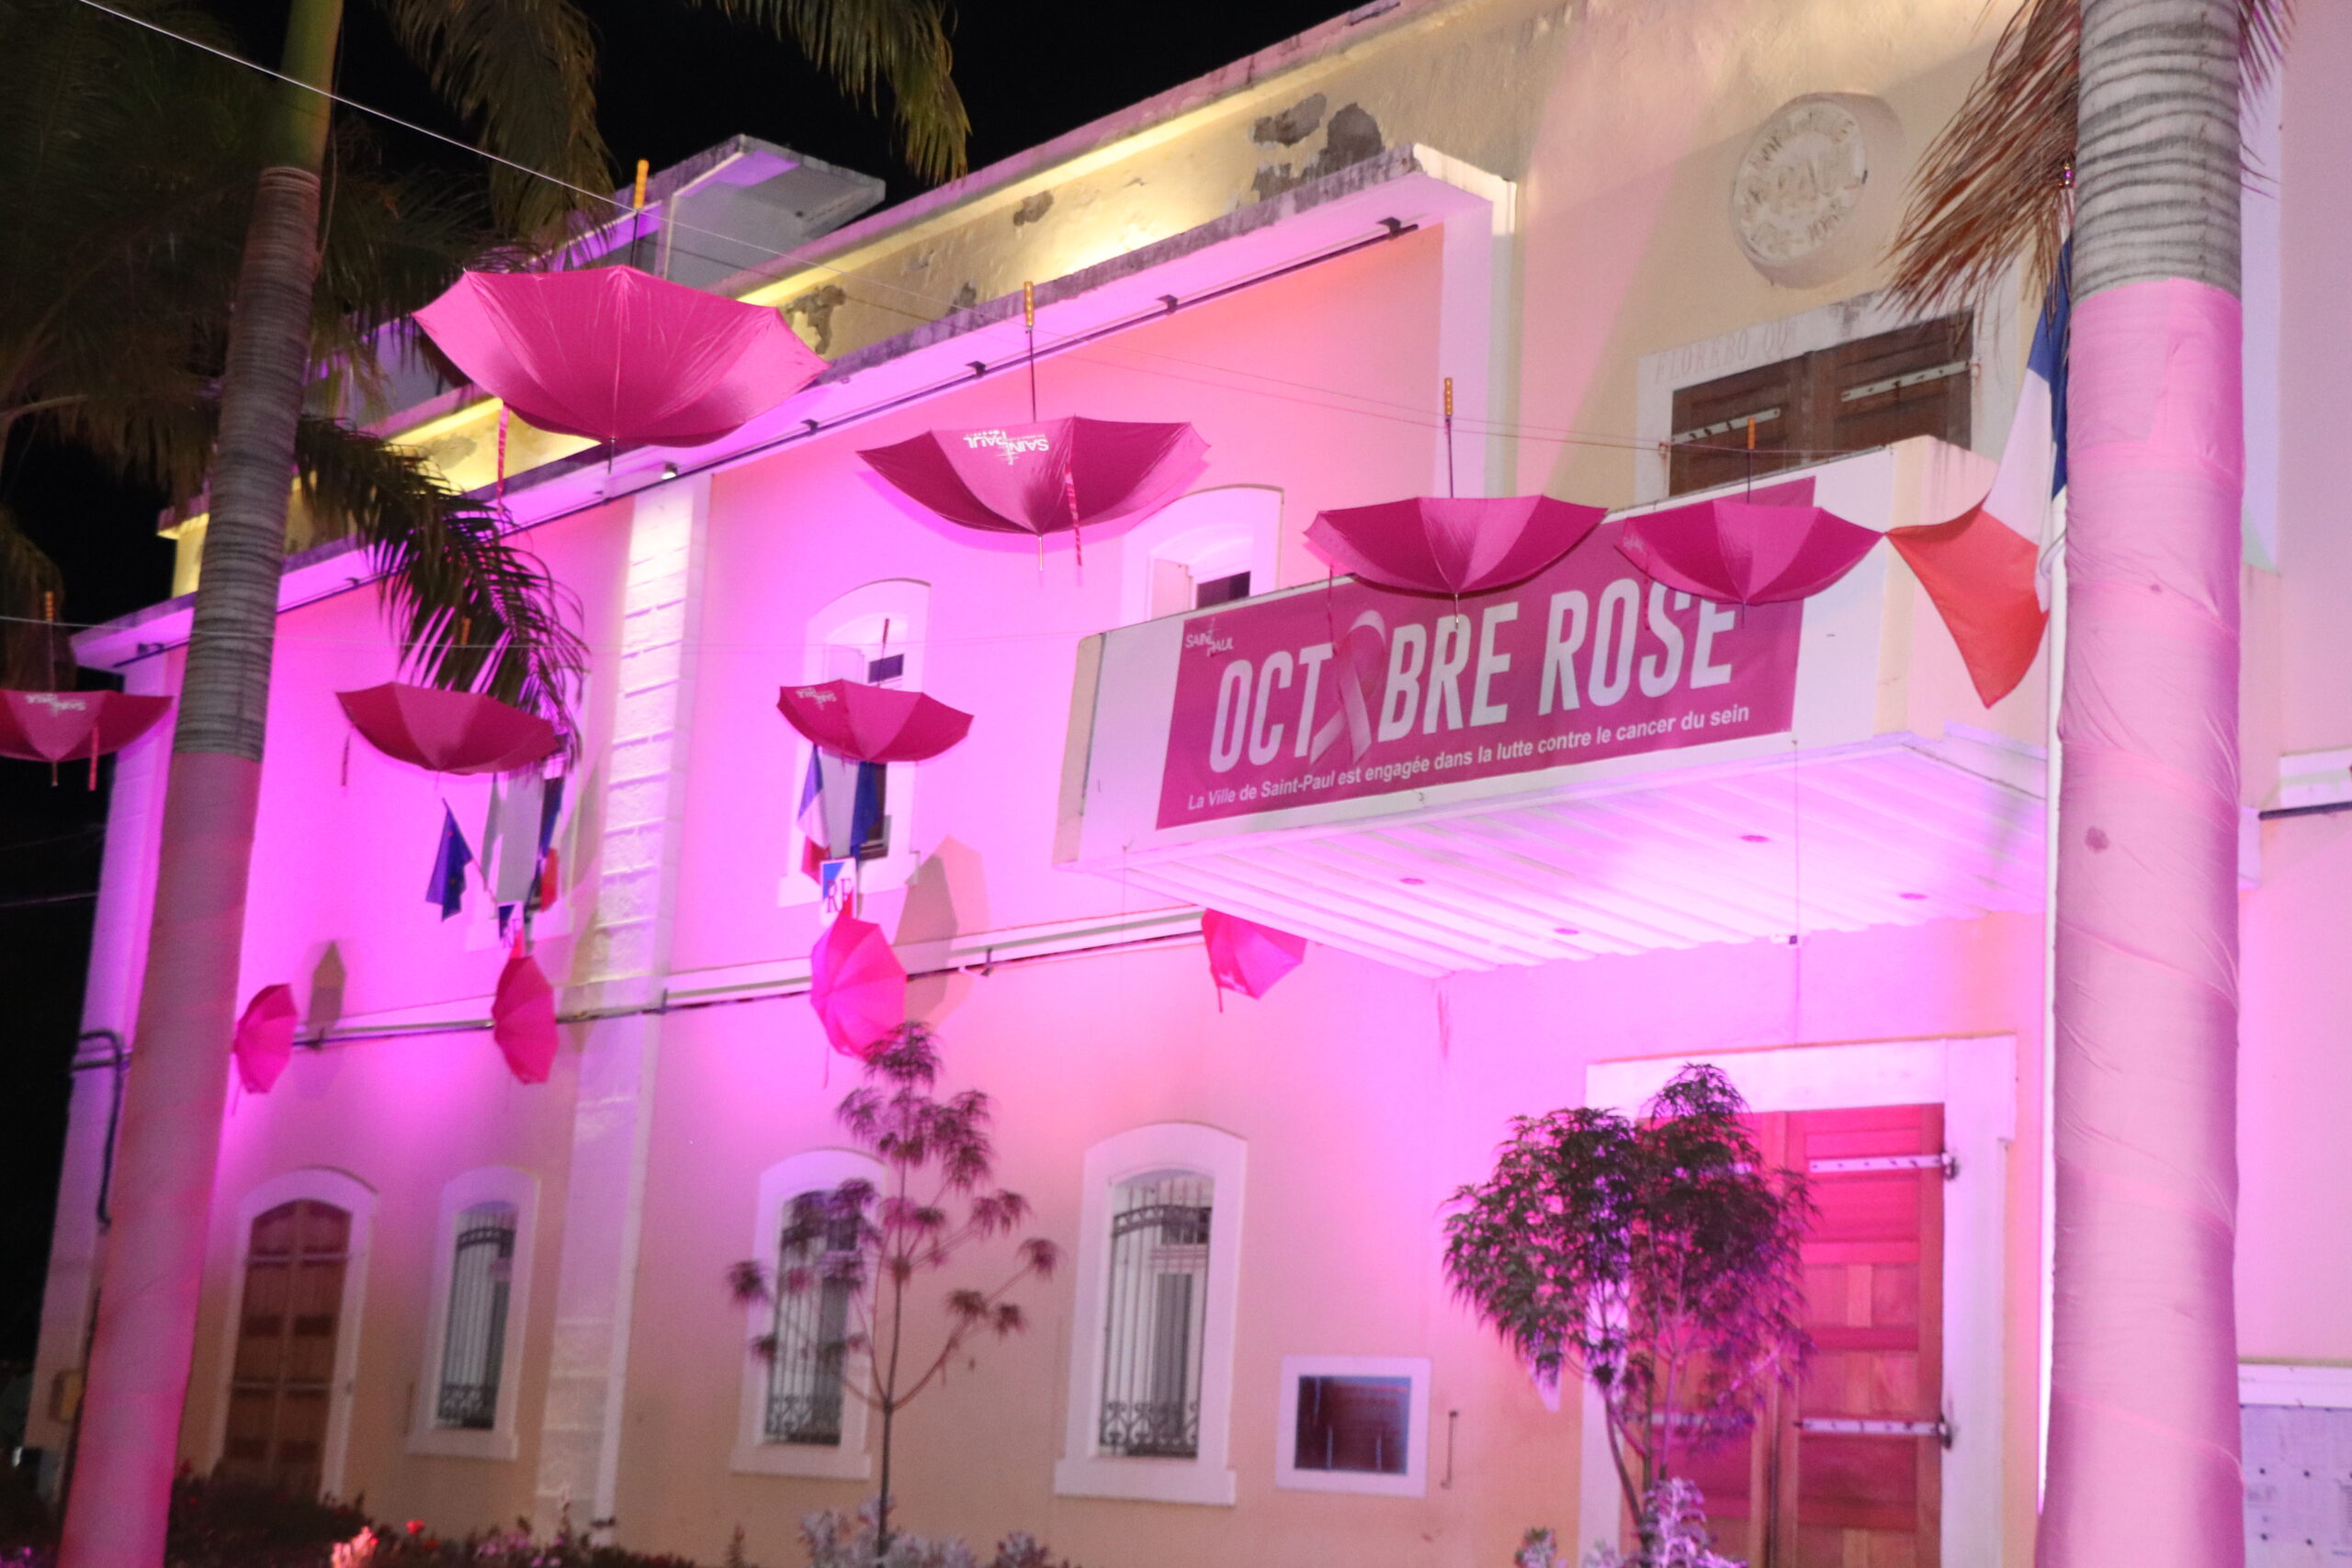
(857, 986)
(872, 724)
(522, 1019)
(1045, 478)
(265, 1038)
(1245, 956)
(1744, 552)
(1431, 545)
(617, 355)
(51, 726)
(450, 732)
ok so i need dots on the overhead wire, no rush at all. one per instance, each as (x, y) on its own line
(623, 212)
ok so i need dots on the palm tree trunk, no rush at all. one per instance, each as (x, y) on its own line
(2143, 1420)
(171, 1129)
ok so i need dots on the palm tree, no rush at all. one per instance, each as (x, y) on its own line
(2122, 117)
(520, 72)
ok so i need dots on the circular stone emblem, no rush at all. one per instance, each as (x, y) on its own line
(1813, 191)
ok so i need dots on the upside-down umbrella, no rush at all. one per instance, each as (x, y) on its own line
(55, 726)
(618, 355)
(263, 1042)
(872, 724)
(522, 1019)
(1439, 544)
(450, 732)
(1046, 477)
(1746, 551)
(857, 986)
(1245, 956)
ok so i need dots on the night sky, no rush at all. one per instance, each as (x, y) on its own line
(675, 79)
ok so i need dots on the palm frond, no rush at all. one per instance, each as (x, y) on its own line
(474, 610)
(1995, 189)
(869, 45)
(523, 74)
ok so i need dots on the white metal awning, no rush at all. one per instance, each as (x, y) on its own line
(1877, 803)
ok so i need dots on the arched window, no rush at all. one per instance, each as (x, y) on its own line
(1151, 1360)
(293, 1337)
(1200, 550)
(849, 814)
(481, 1270)
(801, 1412)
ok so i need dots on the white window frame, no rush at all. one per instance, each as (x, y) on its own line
(1085, 1470)
(1414, 1482)
(1236, 527)
(905, 602)
(519, 1190)
(1975, 1080)
(815, 1171)
(353, 1197)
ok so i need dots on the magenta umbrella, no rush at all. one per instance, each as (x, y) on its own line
(1045, 478)
(450, 732)
(872, 724)
(1245, 956)
(617, 355)
(1744, 552)
(857, 986)
(1433, 545)
(52, 726)
(522, 1019)
(263, 1042)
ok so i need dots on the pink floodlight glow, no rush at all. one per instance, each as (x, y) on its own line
(449, 732)
(857, 986)
(1433, 545)
(1749, 551)
(1247, 957)
(1052, 476)
(872, 724)
(618, 355)
(522, 1019)
(55, 726)
(263, 1042)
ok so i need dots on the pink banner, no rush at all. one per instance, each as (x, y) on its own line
(1357, 691)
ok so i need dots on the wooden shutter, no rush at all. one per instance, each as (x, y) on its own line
(1835, 1496)
(1874, 1263)
(281, 1382)
(1915, 380)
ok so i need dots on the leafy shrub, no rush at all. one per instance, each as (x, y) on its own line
(837, 1538)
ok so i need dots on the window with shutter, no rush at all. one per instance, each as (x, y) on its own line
(282, 1377)
(806, 1364)
(1915, 380)
(1157, 1301)
(1848, 1469)
(473, 1343)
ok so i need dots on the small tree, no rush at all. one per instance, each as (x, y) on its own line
(934, 1200)
(1658, 1258)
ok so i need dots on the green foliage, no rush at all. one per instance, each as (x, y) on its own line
(835, 1539)
(131, 160)
(1658, 1258)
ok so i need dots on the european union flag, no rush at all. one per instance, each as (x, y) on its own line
(447, 888)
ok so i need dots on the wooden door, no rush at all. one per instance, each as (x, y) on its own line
(281, 1382)
(1849, 1468)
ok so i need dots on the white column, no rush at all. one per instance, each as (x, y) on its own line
(117, 957)
(622, 965)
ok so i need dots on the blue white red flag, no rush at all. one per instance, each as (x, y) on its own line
(1986, 571)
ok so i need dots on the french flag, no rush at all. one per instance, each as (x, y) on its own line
(1983, 570)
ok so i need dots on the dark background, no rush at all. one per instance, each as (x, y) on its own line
(675, 79)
